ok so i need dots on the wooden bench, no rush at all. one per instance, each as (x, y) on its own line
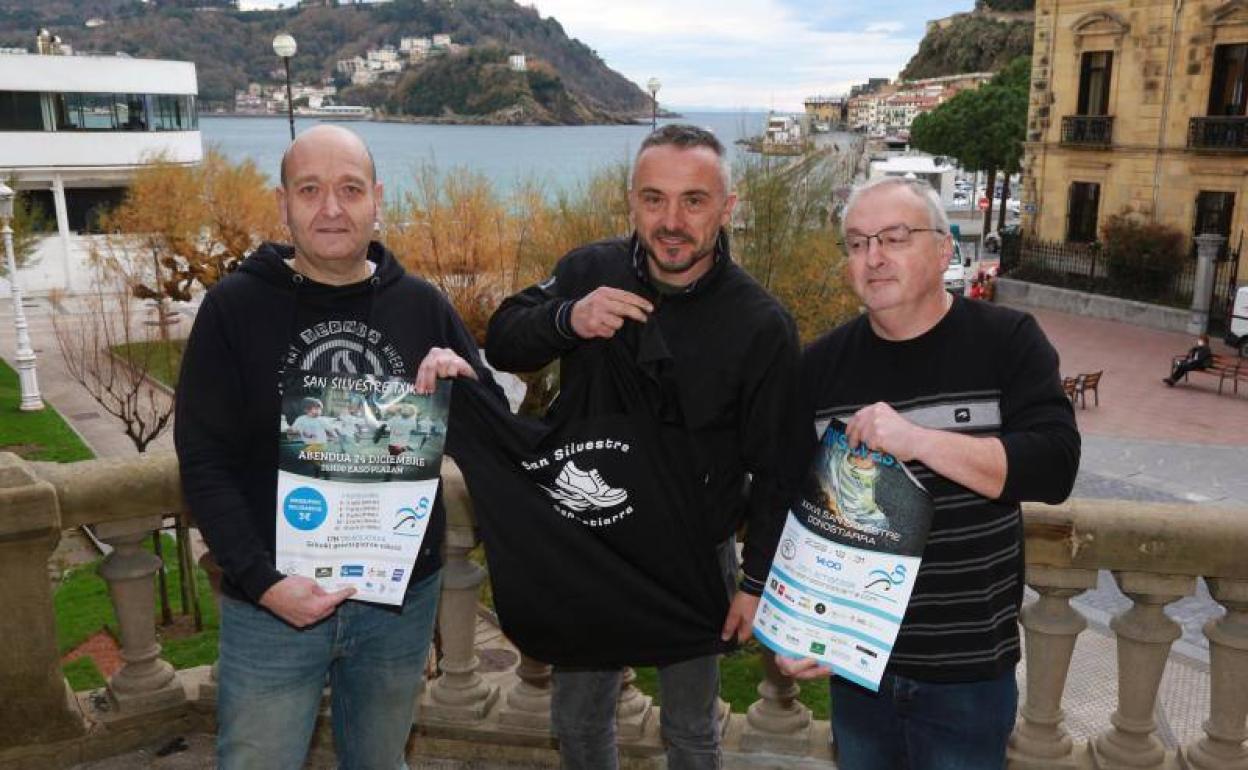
(1225, 368)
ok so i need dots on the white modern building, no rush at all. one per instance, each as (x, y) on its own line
(939, 172)
(73, 130)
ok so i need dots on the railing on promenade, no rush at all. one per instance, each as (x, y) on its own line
(1156, 553)
(1087, 267)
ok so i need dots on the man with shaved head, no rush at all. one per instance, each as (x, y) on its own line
(333, 301)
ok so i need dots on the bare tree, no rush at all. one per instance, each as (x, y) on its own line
(112, 357)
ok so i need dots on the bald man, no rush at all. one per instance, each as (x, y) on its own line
(333, 301)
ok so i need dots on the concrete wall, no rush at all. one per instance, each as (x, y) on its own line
(24, 151)
(1025, 295)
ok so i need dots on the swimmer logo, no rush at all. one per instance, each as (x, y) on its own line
(887, 580)
(407, 520)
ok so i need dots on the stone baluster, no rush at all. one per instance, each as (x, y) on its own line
(37, 705)
(460, 694)
(1223, 744)
(1052, 626)
(145, 681)
(527, 705)
(777, 721)
(1145, 634)
(635, 709)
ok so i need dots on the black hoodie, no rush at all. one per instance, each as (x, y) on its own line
(734, 364)
(252, 326)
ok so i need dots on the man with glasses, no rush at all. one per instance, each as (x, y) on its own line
(968, 395)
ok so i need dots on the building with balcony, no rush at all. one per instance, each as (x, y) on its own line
(73, 130)
(1139, 106)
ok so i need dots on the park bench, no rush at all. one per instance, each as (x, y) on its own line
(1225, 368)
(1077, 388)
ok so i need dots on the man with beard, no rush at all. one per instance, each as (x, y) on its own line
(733, 362)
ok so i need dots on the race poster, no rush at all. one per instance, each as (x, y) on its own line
(359, 459)
(846, 562)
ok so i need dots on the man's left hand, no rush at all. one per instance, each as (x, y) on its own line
(740, 620)
(883, 430)
(442, 363)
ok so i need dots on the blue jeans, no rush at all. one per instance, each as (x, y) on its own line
(583, 712)
(271, 677)
(912, 725)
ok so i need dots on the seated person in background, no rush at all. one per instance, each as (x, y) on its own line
(1199, 357)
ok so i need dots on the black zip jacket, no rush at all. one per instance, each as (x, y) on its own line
(734, 353)
(252, 326)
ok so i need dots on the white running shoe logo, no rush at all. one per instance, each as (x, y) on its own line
(581, 490)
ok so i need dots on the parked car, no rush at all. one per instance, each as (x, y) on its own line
(992, 241)
(955, 271)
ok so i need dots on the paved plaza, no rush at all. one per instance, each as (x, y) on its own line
(1144, 441)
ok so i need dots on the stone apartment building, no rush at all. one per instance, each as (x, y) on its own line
(1140, 105)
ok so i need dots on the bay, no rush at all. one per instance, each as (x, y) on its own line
(560, 157)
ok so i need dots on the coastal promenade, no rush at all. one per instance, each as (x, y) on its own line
(1144, 443)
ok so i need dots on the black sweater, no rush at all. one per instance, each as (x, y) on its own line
(252, 326)
(982, 370)
(735, 358)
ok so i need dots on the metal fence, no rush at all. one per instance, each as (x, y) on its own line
(1086, 267)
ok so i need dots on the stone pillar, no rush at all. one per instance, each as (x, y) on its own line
(527, 705)
(460, 694)
(776, 722)
(1145, 634)
(1207, 247)
(635, 709)
(1052, 626)
(145, 681)
(37, 705)
(1223, 744)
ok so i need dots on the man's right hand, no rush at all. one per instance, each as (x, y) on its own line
(300, 601)
(603, 311)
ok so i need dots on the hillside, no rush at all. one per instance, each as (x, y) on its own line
(973, 42)
(232, 49)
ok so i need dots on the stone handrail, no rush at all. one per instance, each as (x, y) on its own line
(1155, 552)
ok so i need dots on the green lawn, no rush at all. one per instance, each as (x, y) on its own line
(739, 675)
(41, 435)
(161, 359)
(83, 608)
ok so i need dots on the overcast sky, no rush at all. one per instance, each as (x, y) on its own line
(727, 54)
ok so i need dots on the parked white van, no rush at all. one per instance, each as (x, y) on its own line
(1237, 335)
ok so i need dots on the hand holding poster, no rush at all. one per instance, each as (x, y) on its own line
(359, 460)
(847, 561)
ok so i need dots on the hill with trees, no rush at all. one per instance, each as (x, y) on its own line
(232, 49)
(973, 42)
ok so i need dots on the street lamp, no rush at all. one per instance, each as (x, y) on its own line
(284, 46)
(31, 401)
(653, 85)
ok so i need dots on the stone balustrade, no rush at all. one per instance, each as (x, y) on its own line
(1155, 553)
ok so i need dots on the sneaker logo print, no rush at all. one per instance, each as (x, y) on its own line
(580, 490)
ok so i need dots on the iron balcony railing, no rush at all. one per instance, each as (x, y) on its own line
(1218, 133)
(1088, 130)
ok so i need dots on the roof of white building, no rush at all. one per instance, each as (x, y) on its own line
(96, 74)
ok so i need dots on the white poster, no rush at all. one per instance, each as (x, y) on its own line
(358, 469)
(847, 561)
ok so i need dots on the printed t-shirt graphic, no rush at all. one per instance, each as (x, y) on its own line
(597, 545)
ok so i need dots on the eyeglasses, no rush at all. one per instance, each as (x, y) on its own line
(892, 239)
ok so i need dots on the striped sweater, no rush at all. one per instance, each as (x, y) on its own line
(982, 370)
